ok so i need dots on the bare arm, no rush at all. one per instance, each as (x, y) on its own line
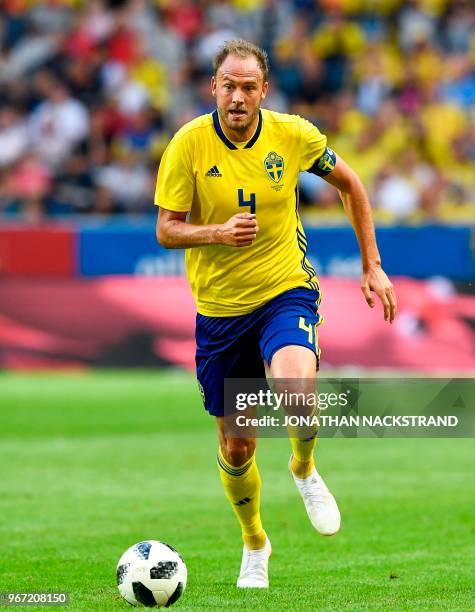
(173, 231)
(357, 207)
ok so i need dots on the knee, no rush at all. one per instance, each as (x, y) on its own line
(237, 451)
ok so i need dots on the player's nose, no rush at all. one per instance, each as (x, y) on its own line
(238, 96)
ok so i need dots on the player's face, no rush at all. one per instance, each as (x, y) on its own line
(239, 89)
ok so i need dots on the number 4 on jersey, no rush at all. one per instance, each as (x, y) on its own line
(251, 203)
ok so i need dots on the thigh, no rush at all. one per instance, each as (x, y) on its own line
(296, 362)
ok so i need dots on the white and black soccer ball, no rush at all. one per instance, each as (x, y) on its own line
(151, 574)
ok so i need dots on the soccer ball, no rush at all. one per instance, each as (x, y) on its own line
(151, 573)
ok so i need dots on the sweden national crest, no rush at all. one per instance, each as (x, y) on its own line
(274, 165)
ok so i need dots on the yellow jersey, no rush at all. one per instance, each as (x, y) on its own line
(213, 178)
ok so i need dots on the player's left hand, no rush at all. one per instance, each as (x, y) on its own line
(376, 280)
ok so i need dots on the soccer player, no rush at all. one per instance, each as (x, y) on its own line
(227, 192)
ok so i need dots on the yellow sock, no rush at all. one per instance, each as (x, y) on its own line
(242, 486)
(302, 454)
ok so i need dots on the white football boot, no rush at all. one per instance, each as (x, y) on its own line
(320, 504)
(254, 565)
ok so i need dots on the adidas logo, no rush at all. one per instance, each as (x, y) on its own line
(214, 172)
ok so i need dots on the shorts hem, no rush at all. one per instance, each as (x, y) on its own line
(315, 351)
(215, 413)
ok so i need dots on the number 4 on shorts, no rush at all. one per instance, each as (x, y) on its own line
(309, 329)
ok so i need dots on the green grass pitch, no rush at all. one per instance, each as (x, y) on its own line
(93, 462)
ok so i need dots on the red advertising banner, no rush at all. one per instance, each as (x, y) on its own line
(149, 322)
(43, 250)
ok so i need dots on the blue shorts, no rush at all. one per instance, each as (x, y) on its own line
(236, 347)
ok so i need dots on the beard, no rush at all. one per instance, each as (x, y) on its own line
(239, 124)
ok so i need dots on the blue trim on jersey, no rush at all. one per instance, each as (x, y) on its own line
(302, 244)
(225, 139)
(256, 133)
(220, 133)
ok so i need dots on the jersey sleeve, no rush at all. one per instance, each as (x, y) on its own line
(175, 181)
(312, 144)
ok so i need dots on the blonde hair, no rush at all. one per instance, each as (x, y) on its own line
(242, 48)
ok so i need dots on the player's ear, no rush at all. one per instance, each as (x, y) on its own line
(265, 88)
(213, 85)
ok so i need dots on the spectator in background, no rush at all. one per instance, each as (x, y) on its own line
(31, 50)
(125, 183)
(74, 187)
(395, 194)
(28, 185)
(13, 135)
(415, 25)
(57, 125)
(459, 26)
(374, 84)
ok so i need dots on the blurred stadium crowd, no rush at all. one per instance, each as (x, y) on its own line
(92, 91)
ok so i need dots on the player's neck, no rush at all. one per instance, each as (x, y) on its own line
(240, 136)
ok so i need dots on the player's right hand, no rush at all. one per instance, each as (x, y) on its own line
(240, 230)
